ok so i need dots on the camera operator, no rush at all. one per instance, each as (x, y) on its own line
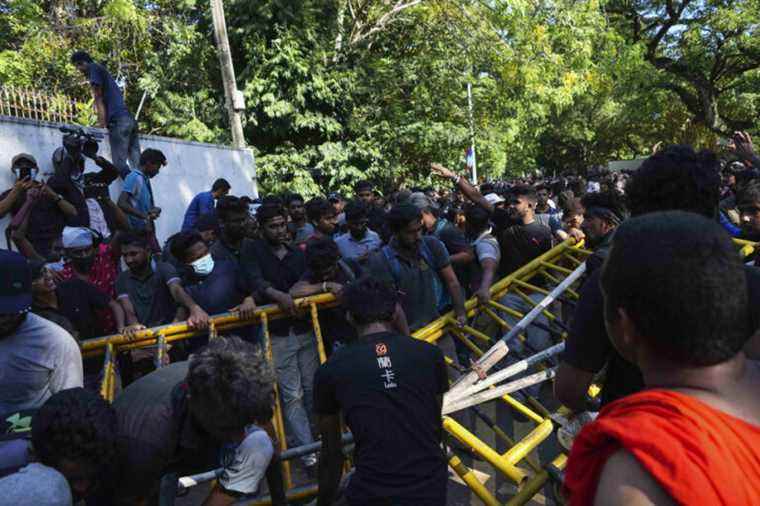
(69, 179)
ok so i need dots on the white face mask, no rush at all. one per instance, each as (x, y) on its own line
(204, 265)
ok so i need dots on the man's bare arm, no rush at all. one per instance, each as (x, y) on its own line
(330, 459)
(623, 482)
(125, 206)
(464, 186)
(100, 105)
(571, 386)
(455, 290)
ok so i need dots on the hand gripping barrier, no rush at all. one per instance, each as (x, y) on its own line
(560, 270)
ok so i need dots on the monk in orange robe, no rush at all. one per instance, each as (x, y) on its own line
(676, 306)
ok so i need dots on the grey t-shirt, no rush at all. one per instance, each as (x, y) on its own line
(35, 485)
(244, 465)
(36, 361)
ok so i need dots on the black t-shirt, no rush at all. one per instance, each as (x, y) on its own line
(387, 387)
(332, 321)
(80, 301)
(223, 289)
(522, 243)
(263, 269)
(588, 347)
(378, 223)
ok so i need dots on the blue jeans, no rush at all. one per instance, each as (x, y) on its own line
(296, 361)
(125, 144)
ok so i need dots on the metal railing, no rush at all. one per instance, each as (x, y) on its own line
(22, 102)
(560, 269)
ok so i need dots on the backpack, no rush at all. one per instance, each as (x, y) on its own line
(442, 295)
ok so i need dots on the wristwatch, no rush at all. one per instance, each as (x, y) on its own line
(58, 198)
(456, 179)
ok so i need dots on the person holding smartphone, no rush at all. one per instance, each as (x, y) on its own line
(46, 206)
(24, 168)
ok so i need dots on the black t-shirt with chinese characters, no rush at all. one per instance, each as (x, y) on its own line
(589, 348)
(387, 386)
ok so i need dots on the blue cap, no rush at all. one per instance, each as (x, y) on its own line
(15, 283)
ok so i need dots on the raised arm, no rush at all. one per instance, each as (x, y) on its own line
(23, 244)
(463, 184)
(7, 203)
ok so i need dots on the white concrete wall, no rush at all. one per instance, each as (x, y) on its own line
(191, 167)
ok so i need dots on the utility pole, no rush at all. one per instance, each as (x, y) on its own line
(233, 97)
(472, 135)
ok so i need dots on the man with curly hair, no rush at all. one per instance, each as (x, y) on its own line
(74, 447)
(195, 416)
(676, 305)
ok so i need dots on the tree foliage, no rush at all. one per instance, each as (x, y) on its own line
(341, 90)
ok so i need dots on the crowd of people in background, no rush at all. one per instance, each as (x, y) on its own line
(664, 312)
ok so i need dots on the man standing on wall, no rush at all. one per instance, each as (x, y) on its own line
(112, 113)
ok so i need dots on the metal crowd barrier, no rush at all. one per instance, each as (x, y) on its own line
(561, 267)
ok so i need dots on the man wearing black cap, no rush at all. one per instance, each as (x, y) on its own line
(37, 358)
(45, 206)
(24, 168)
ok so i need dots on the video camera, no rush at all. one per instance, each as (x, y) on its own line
(77, 140)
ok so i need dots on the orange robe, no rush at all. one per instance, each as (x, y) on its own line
(697, 454)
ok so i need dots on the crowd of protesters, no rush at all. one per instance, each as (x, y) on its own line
(665, 314)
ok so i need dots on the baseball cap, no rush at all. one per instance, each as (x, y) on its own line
(494, 198)
(23, 156)
(15, 283)
(422, 201)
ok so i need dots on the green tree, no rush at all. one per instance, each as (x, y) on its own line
(707, 53)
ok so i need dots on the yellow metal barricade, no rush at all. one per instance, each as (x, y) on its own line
(515, 464)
